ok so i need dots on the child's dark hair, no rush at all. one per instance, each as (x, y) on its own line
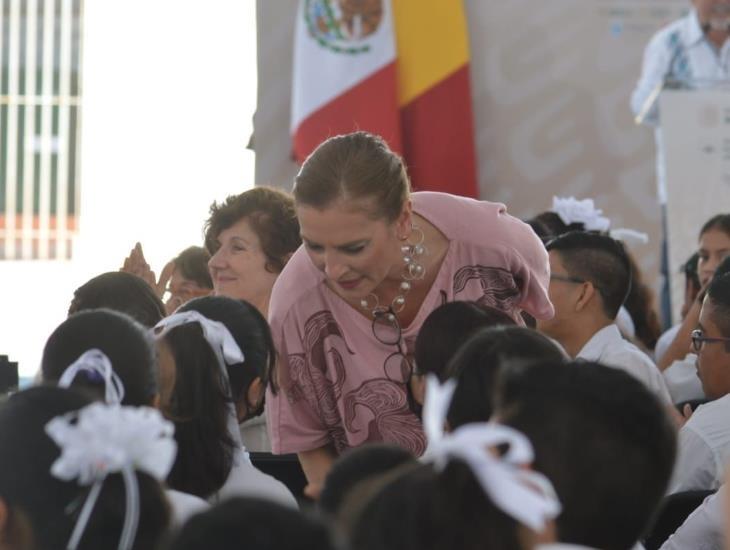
(125, 342)
(719, 222)
(601, 437)
(199, 407)
(640, 305)
(356, 465)
(478, 362)
(253, 524)
(252, 334)
(597, 259)
(423, 509)
(200, 401)
(50, 505)
(446, 328)
(193, 265)
(122, 292)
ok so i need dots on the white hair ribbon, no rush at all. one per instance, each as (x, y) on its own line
(629, 236)
(226, 350)
(96, 363)
(436, 406)
(99, 440)
(523, 494)
(570, 210)
(216, 333)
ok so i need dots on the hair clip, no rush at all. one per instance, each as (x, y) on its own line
(97, 367)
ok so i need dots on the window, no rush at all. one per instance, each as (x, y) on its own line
(40, 70)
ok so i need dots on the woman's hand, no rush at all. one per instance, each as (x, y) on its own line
(316, 465)
(136, 264)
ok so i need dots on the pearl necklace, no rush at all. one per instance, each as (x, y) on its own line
(413, 270)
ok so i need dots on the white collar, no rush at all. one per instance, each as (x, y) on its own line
(594, 348)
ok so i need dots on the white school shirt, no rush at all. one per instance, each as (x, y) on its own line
(682, 381)
(692, 57)
(703, 448)
(254, 435)
(183, 506)
(609, 348)
(245, 480)
(703, 529)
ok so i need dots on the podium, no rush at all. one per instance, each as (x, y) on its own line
(695, 129)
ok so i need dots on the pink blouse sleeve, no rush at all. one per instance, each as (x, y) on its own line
(293, 422)
(530, 266)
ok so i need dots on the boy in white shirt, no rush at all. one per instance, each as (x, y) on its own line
(590, 277)
(704, 441)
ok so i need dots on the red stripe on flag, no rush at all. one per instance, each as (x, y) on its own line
(371, 105)
(438, 137)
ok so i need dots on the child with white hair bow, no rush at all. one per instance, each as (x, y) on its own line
(82, 475)
(210, 381)
(470, 491)
(637, 319)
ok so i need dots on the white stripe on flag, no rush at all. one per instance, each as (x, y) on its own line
(321, 73)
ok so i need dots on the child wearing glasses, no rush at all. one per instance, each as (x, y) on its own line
(590, 277)
(704, 441)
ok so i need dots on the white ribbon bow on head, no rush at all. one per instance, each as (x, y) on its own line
(226, 350)
(96, 362)
(525, 495)
(436, 406)
(99, 440)
(570, 210)
(216, 333)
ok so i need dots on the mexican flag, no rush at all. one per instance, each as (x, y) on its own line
(398, 69)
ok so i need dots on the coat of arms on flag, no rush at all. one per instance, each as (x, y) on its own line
(341, 24)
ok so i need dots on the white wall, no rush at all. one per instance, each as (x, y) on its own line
(169, 91)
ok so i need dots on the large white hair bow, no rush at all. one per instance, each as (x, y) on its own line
(216, 334)
(97, 364)
(102, 439)
(570, 210)
(525, 495)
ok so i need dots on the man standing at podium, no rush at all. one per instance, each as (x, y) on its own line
(693, 49)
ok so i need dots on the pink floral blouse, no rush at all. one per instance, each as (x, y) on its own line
(338, 385)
